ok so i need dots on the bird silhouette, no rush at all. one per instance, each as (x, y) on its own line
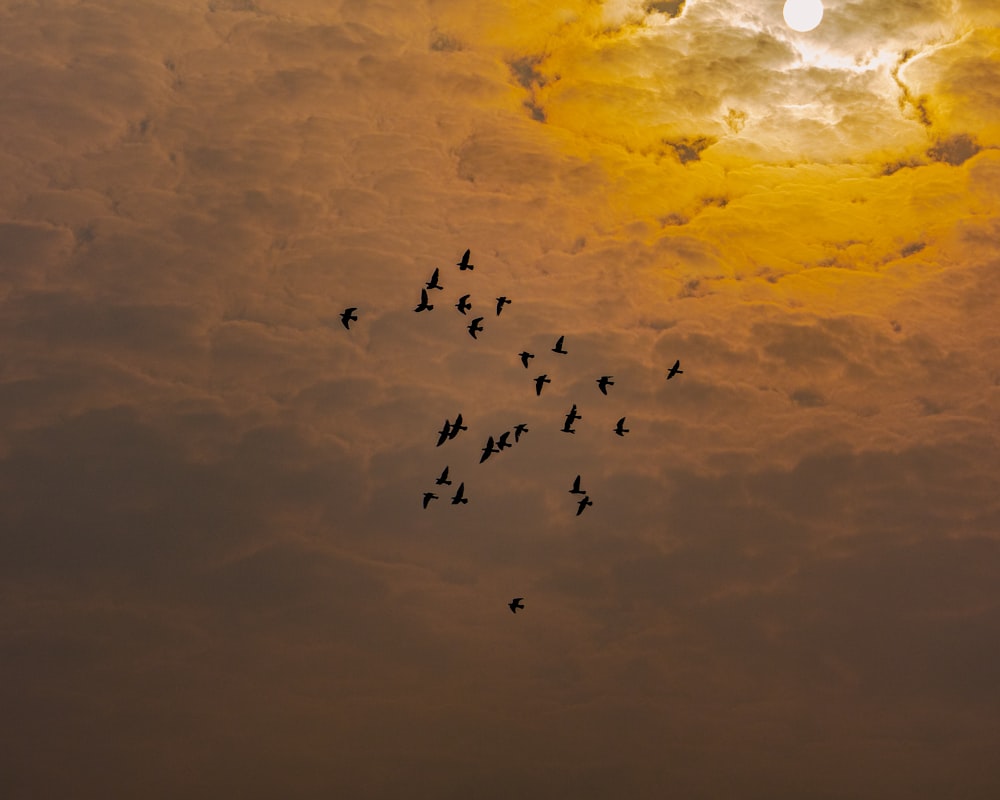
(675, 370)
(433, 282)
(489, 450)
(424, 305)
(428, 496)
(348, 317)
(540, 381)
(458, 427)
(620, 429)
(501, 302)
(475, 327)
(518, 430)
(502, 443)
(525, 356)
(464, 263)
(515, 604)
(459, 496)
(576, 486)
(444, 434)
(559, 346)
(604, 382)
(463, 303)
(584, 502)
(571, 417)
(443, 479)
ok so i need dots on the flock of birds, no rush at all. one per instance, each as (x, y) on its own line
(450, 430)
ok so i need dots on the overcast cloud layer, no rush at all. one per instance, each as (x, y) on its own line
(216, 576)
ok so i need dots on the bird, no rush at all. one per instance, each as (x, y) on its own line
(604, 382)
(424, 305)
(489, 450)
(621, 430)
(433, 282)
(428, 496)
(540, 381)
(571, 417)
(515, 604)
(463, 303)
(459, 495)
(348, 317)
(443, 479)
(519, 429)
(464, 263)
(502, 443)
(586, 501)
(444, 434)
(559, 346)
(675, 370)
(475, 327)
(525, 355)
(576, 486)
(457, 427)
(501, 302)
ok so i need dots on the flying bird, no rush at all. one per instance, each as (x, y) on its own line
(525, 356)
(502, 443)
(428, 496)
(518, 430)
(559, 346)
(604, 382)
(433, 282)
(459, 495)
(675, 370)
(475, 327)
(464, 263)
(501, 302)
(540, 381)
(445, 433)
(620, 429)
(463, 303)
(586, 501)
(489, 450)
(576, 486)
(515, 604)
(571, 417)
(348, 317)
(443, 479)
(424, 305)
(458, 427)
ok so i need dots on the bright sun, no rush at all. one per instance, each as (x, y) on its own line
(803, 15)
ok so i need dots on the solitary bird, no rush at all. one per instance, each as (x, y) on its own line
(444, 434)
(464, 263)
(428, 496)
(501, 302)
(433, 282)
(489, 450)
(586, 501)
(675, 370)
(502, 443)
(620, 429)
(540, 381)
(348, 317)
(576, 486)
(463, 303)
(604, 382)
(559, 346)
(459, 495)
(518, 430)
(525, 356)
(515, 604)
(475, 327)
(458, 427)
(424, 305)
(443, 479)
(571, 417)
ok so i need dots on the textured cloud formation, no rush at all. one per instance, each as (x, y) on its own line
(218, 579)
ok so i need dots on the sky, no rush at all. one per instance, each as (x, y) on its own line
(217, 578)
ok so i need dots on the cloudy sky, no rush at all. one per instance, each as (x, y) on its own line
(217, 578)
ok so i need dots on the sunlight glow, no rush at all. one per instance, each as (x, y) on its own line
(803, 15)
